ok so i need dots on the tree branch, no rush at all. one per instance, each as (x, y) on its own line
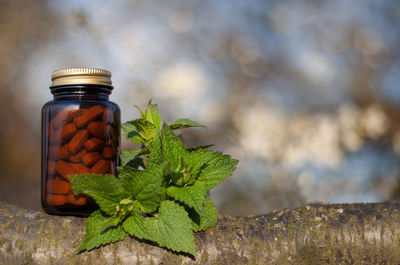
(314, 234)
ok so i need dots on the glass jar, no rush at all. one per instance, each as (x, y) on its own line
(80, 134)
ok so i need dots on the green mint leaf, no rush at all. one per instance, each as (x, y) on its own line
(192, 196)
(183, 175)
(134, 224)
(173, 149)
(106, 190)
(152, 115)
(145, 129)
(136, 163)
(112, 221)
(195, 148)
(125, 174)
(155, 155)
(216, 167)
(172, 228)
(95, 236)
(184, 123)
(140, 110)
(144, 185)
(130, 155)
(132, 133)
(205, 220)
(195, 161)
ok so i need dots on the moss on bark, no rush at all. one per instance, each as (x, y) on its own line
(314, 234)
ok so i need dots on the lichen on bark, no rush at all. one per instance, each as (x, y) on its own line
(313, 234)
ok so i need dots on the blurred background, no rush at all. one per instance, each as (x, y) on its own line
(304, 93)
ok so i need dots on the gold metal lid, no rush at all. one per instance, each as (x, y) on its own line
(80, 76)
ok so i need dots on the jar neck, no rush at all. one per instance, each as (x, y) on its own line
(81, 92)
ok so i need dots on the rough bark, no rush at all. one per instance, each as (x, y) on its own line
(314, 234)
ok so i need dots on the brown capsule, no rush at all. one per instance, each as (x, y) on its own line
(94, 144)
(58, 152)
(64, 169)
(77, 200)
(81, 169)
(51, 167)
(58, 186)
(90, 158)
(108, 152)
(108, 116)
(101, 167)
(77, 158)
(64, 116)
(88, 115)
(97, 128)
(56, 199)
(60, 136)
(78, 141)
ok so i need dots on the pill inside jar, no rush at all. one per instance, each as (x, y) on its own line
(80, 134)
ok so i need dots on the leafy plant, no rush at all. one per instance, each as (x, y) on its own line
(161, 192)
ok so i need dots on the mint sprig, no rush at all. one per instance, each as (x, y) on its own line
(161, 192)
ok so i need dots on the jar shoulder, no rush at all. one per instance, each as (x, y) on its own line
(56, 104)
(48, 104)
(114, 105)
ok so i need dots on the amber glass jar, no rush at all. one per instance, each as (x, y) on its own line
(80, 134)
